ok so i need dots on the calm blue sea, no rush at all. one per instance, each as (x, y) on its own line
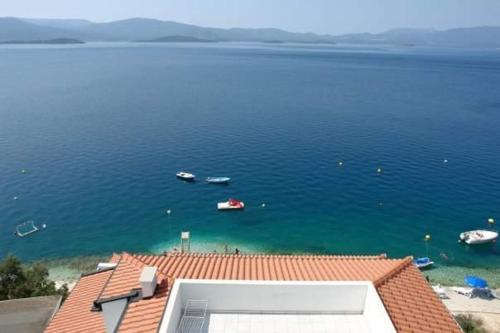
(102, 129)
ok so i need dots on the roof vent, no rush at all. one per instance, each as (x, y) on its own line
(148, 281)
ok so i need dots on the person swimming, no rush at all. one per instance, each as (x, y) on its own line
(445, 256)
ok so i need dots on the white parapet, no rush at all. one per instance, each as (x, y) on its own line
(355, 302)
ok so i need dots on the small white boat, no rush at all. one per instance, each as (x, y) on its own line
(231, 204)
(218, 180)
(478, 237)
(185, 176)
(423, 262)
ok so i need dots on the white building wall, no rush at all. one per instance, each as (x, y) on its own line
(377, 317)
(262, 296)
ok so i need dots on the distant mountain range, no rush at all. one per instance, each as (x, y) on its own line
(141, 29)
(176, 39)
(475, 37)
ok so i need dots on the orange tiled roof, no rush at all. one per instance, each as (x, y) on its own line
(75, 315)
(409, 300)
(412, 304)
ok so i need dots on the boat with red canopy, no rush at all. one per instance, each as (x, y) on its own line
(231, 204)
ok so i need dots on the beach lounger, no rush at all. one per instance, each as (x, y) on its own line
(463, 291)
(440, 291)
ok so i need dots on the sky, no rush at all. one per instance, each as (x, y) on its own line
(320, 16)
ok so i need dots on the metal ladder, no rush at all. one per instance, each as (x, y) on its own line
(193, 319)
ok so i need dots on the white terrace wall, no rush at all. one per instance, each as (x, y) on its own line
(278, 297)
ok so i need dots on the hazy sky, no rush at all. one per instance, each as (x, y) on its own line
(322, 16)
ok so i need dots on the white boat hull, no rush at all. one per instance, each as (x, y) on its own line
(218, 180)
(227, 206)
(421, 266)
(478, 237)
(185, 176)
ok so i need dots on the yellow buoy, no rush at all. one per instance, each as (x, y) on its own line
(427, 237)
(491, 220)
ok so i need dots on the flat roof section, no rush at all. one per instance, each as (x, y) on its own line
(276, 306)
(27, 315)
(284, 323)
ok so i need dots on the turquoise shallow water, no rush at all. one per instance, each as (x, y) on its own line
(102, 128)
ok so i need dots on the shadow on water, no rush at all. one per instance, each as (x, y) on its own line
(429, 268)
(488, 248)
(189, 181)
(219, 184)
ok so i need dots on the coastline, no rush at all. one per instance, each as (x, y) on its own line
(68, 270)
(454, 275)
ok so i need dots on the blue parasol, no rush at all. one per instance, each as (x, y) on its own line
(475, 282)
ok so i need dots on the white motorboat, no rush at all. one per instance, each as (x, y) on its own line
(478, 237)
(231, 204)
(185, 176)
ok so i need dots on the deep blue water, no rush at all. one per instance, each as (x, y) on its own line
(102, 129)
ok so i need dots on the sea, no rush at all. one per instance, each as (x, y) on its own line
(335, 149)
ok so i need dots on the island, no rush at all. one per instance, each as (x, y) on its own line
(47, 41)
(177, 39)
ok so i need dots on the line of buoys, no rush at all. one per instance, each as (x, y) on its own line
(169, 211)
(379, 170)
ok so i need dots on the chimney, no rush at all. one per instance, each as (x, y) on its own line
(148, 281)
